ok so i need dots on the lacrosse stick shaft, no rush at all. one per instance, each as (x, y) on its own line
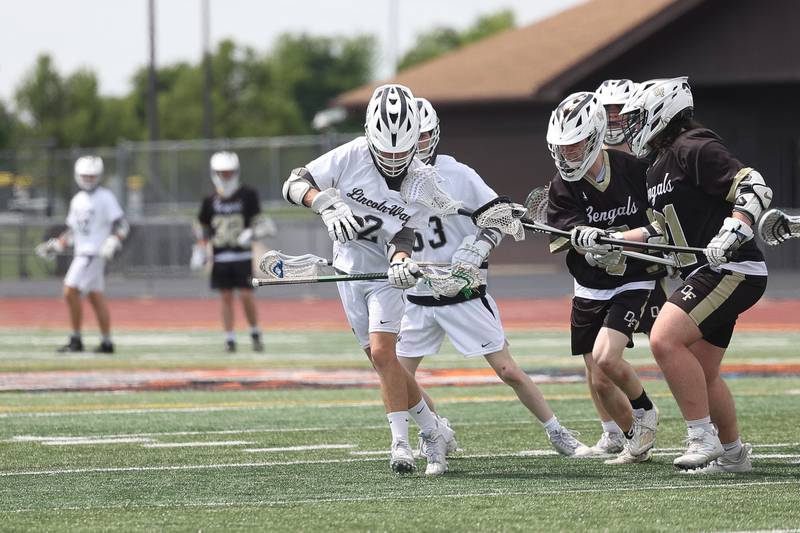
(264, 282)
(538, 226)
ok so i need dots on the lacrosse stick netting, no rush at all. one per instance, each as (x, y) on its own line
(421, 186)
(461, 278)
(282, 266)
(776, 227)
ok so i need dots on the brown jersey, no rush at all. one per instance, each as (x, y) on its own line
(619, 202)
(691, 187)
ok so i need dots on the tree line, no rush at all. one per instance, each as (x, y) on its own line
(253, 94)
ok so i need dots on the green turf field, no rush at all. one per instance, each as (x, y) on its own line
(313, 459)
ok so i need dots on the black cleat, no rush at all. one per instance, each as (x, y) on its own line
(75, 344)
(258, 346)
(230, 346)
(105, 347)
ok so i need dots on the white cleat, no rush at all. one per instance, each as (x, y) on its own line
(448, 433)
(609, 444)
(627, 458)
(734, 463)
(565, 443)
(434, 447)
(402, 461)
(703, 447)
(644, 431)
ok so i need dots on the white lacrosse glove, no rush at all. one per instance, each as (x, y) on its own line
(110, 247)
(245, 238)
(731, 236)
(472, 252)
(584, 239)
(337, 216)
(199, 257)
(604, 260)
(403, 273)
(49, 249)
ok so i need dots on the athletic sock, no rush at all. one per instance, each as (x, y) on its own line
(704, 423)
(254, 331)
(610, 427)
(552, 425)
(423, 416)
(76, 335)
(733, 448)
(398, 423)
(105, 339)
(642, 402)
(230, 336)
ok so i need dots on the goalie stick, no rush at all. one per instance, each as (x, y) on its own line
(776, 227)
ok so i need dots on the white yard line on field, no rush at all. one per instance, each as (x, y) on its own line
(76, 441)
(197, 444)
(302, 448)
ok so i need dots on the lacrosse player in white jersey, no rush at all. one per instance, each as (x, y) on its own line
(96, 227)
(472, 323)
(354, 188)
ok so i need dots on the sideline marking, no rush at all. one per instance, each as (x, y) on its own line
(303, 448)
(197, 444)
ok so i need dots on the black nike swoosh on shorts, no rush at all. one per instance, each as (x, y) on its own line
(485, 345)
(385, 321)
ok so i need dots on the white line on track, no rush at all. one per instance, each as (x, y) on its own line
(303, 448)
(411, 497)
(198, 444)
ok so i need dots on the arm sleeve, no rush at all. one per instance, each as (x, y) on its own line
(563, 212)
(253, 208)
(204, 217)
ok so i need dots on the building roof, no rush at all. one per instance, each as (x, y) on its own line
(532, 62)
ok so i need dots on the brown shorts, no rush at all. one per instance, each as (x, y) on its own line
(714, 300)
(621, 313)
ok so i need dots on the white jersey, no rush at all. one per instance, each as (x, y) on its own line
(349, 168)
(91, 215)
(443, 235)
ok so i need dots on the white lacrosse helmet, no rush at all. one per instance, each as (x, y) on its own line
(615, 92)
(428, 123)
(575, 134)
(88, 172)
(392, 129)
(225, 173)
(651, 108)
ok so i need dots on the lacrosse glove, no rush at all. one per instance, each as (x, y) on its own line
(337, 216)
(403, 273)
(731, 236)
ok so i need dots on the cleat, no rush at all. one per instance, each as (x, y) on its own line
(735, 463)
(609, 444)
(644, 431)
(703, 447)
(448, 433)
(105, 347)
(627, 458)
(230, 346)
(565, 443)
(434, 448)
(75, 344)
(258, 346)
(402, 461)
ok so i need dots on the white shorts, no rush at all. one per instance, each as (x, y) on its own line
(86, 273)
(371, 306)
(473, 327)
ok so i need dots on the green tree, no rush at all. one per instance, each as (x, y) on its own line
(40, 100)
(440, 40)
(8, 127)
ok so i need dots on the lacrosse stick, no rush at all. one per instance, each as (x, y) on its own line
(776, 227)
(421, 186)
(536, 205)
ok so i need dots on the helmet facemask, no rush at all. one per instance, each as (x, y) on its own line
(392, 129)
(225, 173)
(615, 135)
(426, 147)
(88, 172)
(575, 134)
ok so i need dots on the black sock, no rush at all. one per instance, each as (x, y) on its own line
(642, 402)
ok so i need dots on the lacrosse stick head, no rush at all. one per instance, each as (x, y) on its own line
(421, 186)
(536, 204)
(502, 215)
(281, 266)
(775, 227)
(461, 278)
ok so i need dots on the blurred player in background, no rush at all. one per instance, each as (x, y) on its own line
(230, 220)
(472, 323)
(96, 227)
(604, 188)
(355, 189)
(613, 94)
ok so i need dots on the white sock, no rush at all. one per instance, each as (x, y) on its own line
(398, 423)
(552, 425)
(76, 334)
(230, 336)
(733, 447)
(704, 423)
(610, 427)
(105, 338)
(254, 330)
(423, 416)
